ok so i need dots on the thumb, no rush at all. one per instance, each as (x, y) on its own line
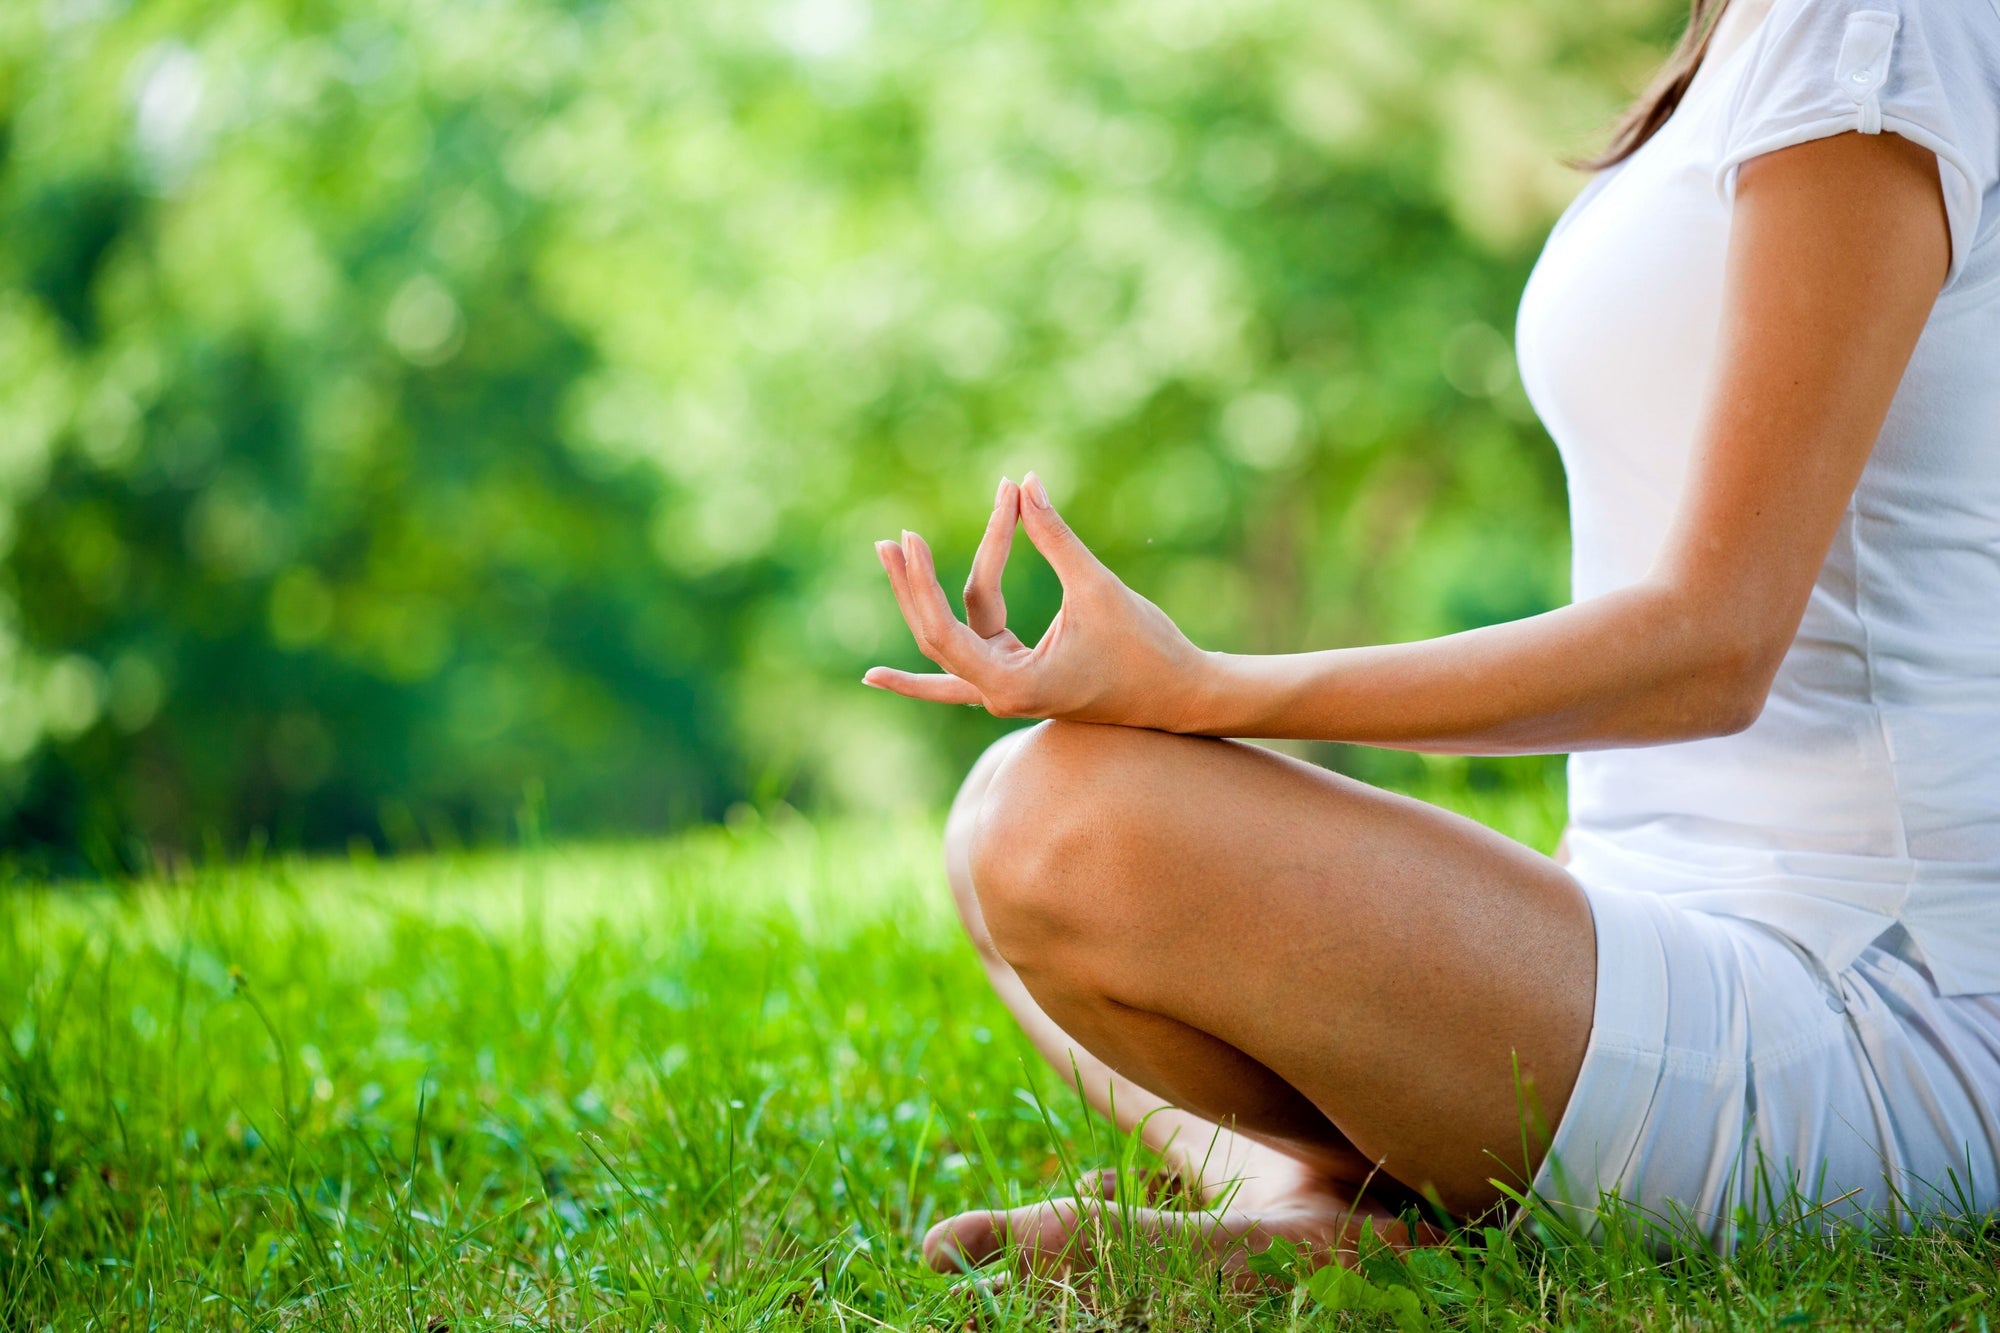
(1055, 539)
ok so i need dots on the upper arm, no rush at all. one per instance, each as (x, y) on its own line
(1837, 249)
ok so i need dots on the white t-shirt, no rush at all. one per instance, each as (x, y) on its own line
(1868, 792)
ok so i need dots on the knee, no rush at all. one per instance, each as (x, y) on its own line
(1049, 848)
(964, 813)
(958, 830)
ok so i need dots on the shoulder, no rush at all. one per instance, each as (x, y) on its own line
(1974, 13)
(1958, 35)
(1928, 70)
(1928, 65)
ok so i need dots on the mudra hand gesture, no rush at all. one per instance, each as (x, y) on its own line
(1108, 656)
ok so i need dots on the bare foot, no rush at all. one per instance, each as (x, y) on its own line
(1062, 1236)
(1154, 1185)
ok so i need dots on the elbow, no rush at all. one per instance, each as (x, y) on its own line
(1734, 691)
(1703, 660)
(1717, 661)
(1733, 711)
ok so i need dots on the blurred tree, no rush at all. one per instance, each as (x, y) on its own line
(408, 411)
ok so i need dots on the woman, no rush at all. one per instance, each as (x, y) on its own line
(1766, 339)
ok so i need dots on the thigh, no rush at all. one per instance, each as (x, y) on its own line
(1417, 976)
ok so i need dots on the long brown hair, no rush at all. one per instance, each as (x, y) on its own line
(1645, 116)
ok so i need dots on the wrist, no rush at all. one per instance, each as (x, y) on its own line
(1203, 710)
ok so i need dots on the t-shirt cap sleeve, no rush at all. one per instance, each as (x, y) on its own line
(1823, 67)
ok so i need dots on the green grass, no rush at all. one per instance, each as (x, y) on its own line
(723, 1082)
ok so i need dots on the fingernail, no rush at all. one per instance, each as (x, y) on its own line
(1001, 494)
(1036, 493)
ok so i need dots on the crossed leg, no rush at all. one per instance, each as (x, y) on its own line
(1301, 984)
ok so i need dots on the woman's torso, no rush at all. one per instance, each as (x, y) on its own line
(1868, 791)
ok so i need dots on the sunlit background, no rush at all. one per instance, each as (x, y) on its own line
(424, 421)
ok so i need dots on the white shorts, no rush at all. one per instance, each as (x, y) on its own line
(1730, 1082)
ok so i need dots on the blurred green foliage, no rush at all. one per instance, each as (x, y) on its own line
(415, 414)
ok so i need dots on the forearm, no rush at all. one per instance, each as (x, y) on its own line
(1632, 667)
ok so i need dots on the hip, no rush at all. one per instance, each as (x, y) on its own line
(1733, 1080)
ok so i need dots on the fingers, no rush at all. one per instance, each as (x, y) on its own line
(985, 604)
(945, 638)
(942, 636)
(937, 688)
(891, 556)
(1059, 545)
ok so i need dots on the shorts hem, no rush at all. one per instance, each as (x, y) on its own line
(1623, 1063)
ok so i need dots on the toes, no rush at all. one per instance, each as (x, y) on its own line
(1043, 1234)
(963, 1242)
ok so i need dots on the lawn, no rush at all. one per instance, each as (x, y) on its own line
(724, 1081)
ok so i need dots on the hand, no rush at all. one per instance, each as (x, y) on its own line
(1108, 656)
